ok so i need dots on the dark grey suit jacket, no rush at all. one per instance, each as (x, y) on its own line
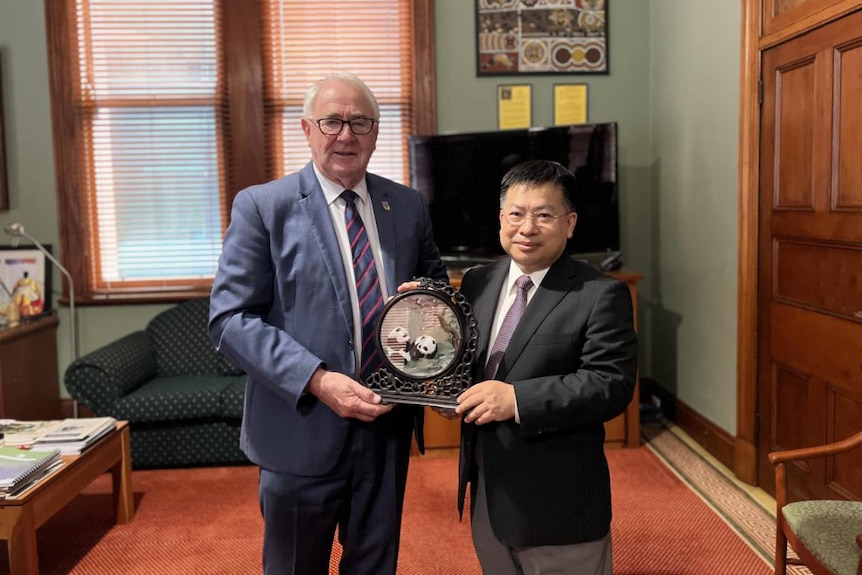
(573, 363)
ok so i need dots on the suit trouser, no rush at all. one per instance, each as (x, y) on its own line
(591, 558)
(363, 496)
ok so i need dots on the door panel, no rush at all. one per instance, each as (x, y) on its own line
(779, 14)
(810, 253)
(847, 191)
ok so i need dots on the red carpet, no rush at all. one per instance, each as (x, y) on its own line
(206, 521)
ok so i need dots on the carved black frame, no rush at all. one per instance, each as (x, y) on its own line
(441, 390)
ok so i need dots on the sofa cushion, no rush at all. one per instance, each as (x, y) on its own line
(182, 343)
(175, 398)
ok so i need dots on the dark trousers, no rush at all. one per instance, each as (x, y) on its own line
(363, 496)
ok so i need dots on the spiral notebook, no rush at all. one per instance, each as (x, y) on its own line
(18, 466)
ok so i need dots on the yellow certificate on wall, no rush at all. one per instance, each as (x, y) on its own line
(570, 104)
(514, 106)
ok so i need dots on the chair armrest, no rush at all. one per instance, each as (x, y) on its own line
(779, 458)
(816, 451)
(98, 379)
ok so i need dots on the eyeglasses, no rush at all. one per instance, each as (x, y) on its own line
(333, 126)
(541, 219)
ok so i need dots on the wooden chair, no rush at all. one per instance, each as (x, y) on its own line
(826, 534)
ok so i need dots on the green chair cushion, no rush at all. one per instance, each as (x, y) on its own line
(828, 529)
(179, 398)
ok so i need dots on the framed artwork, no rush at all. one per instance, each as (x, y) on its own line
(25, 277)
(541, 37)
(570, 104)
(514, 106)
(4, 182)
(427, 339)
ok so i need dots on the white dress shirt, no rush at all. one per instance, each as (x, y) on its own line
(505, 301)
(332, 194)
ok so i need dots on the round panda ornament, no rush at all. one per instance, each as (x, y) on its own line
(427, 338)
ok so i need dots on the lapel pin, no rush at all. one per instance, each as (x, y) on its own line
(385, 205)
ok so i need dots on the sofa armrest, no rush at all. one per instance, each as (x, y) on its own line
(98, 379)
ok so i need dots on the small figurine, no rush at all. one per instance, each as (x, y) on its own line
(28, 296)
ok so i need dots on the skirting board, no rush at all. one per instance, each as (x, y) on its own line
(716, 441)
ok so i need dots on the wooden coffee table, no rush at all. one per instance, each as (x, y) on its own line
(19, 518)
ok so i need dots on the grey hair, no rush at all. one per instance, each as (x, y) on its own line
(311, 94)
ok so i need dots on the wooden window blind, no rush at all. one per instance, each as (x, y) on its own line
(151, 99)
(373, 39)
(163, 110)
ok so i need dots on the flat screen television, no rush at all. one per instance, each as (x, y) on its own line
(460, 175)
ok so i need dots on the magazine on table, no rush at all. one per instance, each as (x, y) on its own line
(70, 436)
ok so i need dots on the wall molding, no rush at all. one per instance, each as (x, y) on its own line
(716, 441)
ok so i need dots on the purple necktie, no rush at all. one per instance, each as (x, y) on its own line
(514, 314)
(367, 284)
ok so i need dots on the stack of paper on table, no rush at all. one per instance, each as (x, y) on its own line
(70, 436)
(21, 468)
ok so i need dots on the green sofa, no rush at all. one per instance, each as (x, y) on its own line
(183, 401)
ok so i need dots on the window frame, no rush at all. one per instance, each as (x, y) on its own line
(247, 145)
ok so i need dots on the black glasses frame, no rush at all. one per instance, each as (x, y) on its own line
(343, 122)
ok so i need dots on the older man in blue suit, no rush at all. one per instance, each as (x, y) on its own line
(287, 308)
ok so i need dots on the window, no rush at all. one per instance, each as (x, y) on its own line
(164, 109)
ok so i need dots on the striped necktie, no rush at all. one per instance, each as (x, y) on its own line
(367, 284)
(513, 316)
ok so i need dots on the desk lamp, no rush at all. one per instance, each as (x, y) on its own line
(16, 230)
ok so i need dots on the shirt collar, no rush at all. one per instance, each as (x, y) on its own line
(332, 191)
(515, 272)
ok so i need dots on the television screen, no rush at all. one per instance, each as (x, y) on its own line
(460, 175)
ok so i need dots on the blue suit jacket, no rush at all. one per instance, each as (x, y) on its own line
(280, 308)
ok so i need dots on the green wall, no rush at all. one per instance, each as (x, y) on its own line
(693, 167)
(672, 88)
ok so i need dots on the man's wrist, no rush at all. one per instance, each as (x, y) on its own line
(314, 383)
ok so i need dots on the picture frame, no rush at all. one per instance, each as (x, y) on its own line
(427, 339)
(4, 180)
(25, 274)
(570, 104)
(516, 37)
(514, 106)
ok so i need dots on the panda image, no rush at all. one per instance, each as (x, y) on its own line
(425, 347)
(397, 345)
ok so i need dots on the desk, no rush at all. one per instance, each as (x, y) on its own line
(19, 518)
(622, 431)
(29, 387)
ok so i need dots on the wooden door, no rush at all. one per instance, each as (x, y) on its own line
(810, 253)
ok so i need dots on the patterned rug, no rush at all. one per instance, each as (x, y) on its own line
(745, 514)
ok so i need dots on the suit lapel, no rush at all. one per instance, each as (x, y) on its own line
(385, 233)
(485, 306)
(538, 309)
(313, 205)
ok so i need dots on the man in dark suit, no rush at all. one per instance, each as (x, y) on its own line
(290, 306)
(532, 432)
